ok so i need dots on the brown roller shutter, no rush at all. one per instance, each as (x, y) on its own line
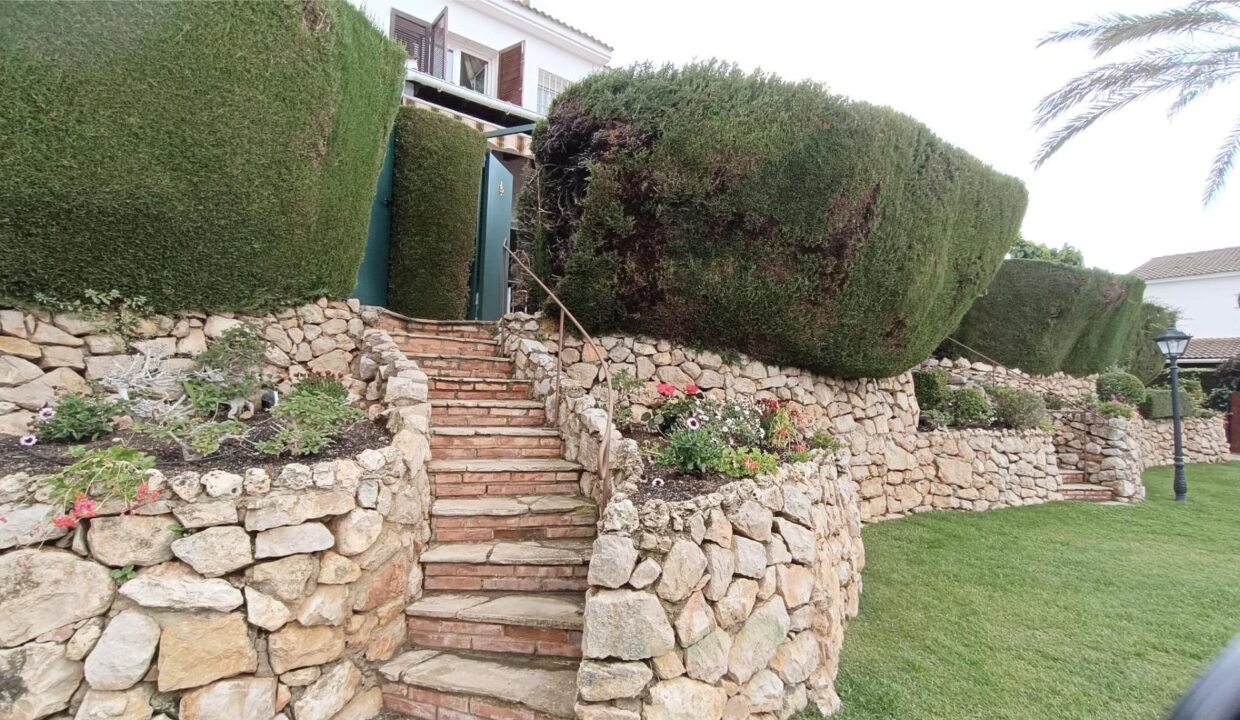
(416, 35)
(511, 73)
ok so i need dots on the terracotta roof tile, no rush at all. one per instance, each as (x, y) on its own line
(1212, 348)
(1206, 262)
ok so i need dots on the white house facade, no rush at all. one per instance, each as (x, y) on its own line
(1204, 287)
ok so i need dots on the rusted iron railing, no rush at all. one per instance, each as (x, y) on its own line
(605, 447)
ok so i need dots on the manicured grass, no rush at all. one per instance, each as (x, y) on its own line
(1067, 610)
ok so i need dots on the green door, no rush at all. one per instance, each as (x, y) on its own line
(488, 297)
(372, 277)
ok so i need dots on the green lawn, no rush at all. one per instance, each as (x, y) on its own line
(1067, 610)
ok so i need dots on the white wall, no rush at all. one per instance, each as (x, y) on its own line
(466, 19)
(1208, 305)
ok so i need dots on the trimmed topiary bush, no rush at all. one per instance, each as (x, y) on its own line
(1157, 403)
(1121, 386)
(1045, 317)
(436, 177)
(743, 212)
(931, 388)
(1018, 408)
(971, 408)
(205, 155)
(1143, 358)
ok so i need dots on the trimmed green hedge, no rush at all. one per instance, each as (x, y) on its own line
(1143, 358)
(205, 155)
(750, 214)
(1045, 317)
(1157, 403)
(436, 177)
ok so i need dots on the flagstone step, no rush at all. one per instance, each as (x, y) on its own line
(534, 552)
(522, 566)
(415, 342)
(483, 329)
(462, 364)
(495, 443)
(462, 686)
(1086, 492)
(547, 624)
(486, 465)
(479, 388)
(529, 517)
(491, 413)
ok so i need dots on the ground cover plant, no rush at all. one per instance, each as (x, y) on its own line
(151, 163)
(436, 173)
(1045, 317)
(995, 405)
(1065, 610)
(746, 213)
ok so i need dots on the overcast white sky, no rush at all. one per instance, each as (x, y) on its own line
(1126, 190)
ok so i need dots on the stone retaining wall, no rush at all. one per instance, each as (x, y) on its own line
(250, 595)
(732, 604)
(42, 353)
(962, 372)
(1205, 441)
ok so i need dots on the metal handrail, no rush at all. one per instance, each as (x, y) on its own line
(605, 448)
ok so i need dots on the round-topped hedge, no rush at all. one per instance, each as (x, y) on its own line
(742, 212)
(204, 155)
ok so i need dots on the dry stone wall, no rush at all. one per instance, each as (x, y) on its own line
(876, 419)
(961, 372)
(42, 353)
(249, 596)
(1205, 441)
(732, 604)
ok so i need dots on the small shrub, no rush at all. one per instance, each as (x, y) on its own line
(931, 388)
(746, 462)
(322, 382)
(970, 408)
(780, 424)
(78, 417)
(1120, 386)
(197, 438)
(822, 441)
(1018, 408)
(1111, 408)
(230, 368)
(692, 451)
(97, 476)
(307, 423)
(937, 419)
(1157, 404)
(1045, 424)
(1219, 399)
(1208, 413)
(1054, 402)
(623, 384)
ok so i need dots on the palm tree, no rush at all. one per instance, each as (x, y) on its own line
(1200, 50)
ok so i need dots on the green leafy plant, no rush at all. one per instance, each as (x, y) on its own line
(1111, 408)
(937, 419)
(126, 312)
(780, 424)
(623, 384)
(196, 437)
(1219, 399)
(77, 417)
(746, 462)
(1017, 408)
(1054, 402)
(1045, 424)
(122, 575)
(1121, 386)
(322, 382)
(822, 441)
(179, 531)
(692, 451)
(230, 368)
(970, 408)
(931, 388)
(116, 472)
(1157, 404)
(307, 423)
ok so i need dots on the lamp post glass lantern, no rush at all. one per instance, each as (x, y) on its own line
(1173, 343)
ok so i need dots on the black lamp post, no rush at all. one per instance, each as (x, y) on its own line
(1173, 343)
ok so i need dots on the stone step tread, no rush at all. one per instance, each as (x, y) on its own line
(501, 430)
(453, 379)
(441, 336)
(454, 356)
(549, 609)
(496, 465)
(475, 323)
(1084, 487)
(510, 505)
(541, 685)
(508, 404)
(512, 552)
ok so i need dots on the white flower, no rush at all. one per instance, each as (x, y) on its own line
(47, 413)
(692, 423)
(28, 440)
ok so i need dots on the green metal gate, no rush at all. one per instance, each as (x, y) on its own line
(372, 276)
(488, 285)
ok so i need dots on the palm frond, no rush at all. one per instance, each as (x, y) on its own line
(1222, 165)
(1082, 121)
(1111, 31)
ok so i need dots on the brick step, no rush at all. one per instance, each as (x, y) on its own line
(527, 517)
(523, 566)
(489, 413)
(457, 478)
(414, 342)
(453, 685)
(1086, 491)
(496, 442)
(474, 388)
(480, 329)
(462, 365)
(525, 623)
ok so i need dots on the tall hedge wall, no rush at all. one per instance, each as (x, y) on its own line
(1142, 357)
(205, 155)
(1045, 317)
(436, 177)
(747, 213)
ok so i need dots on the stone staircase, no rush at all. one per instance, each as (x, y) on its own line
(497, 632)
(1074, 487)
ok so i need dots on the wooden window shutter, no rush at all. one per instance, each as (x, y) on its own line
(511, 73)
(439, 46)
(416, 35)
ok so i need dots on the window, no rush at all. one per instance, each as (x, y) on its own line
(549, 85)
(473, 72)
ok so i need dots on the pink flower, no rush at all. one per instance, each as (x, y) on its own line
(691, 389)
(64, 521)
(666, 389)
(84, 508)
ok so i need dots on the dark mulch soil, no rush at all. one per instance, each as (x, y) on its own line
(233, 456)
(675, 485)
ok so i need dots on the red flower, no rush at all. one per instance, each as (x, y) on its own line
(750, 464)
(64, 521)
(692, 389)
(84, 508)
(666, 389)
(800, 447)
